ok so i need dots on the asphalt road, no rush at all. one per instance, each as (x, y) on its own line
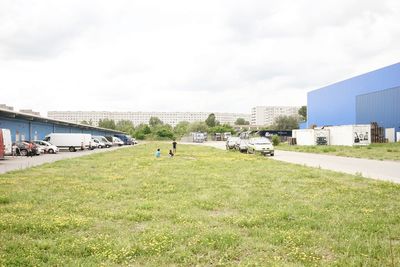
(19, 163)
(375, 169)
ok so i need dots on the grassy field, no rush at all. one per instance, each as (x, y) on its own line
(203, 207)
(390, 151)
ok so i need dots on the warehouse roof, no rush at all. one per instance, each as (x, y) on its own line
(31, 117)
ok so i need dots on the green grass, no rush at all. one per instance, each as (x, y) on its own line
(388, 151)
(203, 207)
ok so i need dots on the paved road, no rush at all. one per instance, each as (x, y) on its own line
(19, 163)
(381, 170)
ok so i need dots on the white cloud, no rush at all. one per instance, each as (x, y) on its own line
(187, 55)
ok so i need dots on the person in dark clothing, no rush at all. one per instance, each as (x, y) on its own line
(30, 149)
(174, 146)
(171, 154)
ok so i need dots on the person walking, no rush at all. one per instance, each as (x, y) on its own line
(157, 154)
(174, 146)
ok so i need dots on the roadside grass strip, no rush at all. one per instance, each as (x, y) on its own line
(387, 151)
(205, 206)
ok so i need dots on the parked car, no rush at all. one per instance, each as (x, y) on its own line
(260, 145)
(243, 145)
(124, 138)
(47, 147)
(231, 142)
(70, 141)
(116, 141)
(98, 143)
(104, 140)
(133, 140)
(23, 148)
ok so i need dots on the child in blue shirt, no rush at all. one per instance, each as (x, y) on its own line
(158, 153)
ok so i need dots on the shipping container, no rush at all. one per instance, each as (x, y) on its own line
(350, 135)
(311, 137)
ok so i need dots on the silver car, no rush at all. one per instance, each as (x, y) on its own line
(260, 145)
(231, 142)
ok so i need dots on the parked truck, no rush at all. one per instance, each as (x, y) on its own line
(70, 141)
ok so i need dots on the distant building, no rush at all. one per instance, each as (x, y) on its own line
(29, 111)
(171, 118)
(3, 106)
(266, 115)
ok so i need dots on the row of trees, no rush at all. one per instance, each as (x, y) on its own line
(157, 129)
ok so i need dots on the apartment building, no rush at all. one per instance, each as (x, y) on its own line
(139, 117)
(266, 115)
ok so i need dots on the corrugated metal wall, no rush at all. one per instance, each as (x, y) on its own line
(382, 107)
(24, 129)
(336, 104)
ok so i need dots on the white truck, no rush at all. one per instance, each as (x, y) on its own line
(198, 137)
(70, 141)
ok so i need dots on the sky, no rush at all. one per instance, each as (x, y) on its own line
(214, 56)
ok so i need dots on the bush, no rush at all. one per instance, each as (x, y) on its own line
(275, 140)
(164, 133)
(139, 135)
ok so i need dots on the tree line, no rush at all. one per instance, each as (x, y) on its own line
(156, 129)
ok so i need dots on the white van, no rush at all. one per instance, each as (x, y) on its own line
(7, 142)
(70, 141)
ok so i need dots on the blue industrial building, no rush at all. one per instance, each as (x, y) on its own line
(371, 97)
(25, 126)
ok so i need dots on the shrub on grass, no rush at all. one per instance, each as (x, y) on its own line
(275, 140)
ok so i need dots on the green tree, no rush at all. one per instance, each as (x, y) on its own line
(222, 129)
(241, 121)
(125, 126)
(141, 131)
(85, 122)
(165, 132)
(154, 121)
(303, 113)
(285, 123)
(211, 121)
(181, 128)
(198, 126)
(107, 123)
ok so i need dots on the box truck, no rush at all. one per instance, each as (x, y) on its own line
(70, 141)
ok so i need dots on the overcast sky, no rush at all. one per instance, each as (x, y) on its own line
(187, 55)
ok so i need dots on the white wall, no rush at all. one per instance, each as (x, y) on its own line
(390, 135)
(304, 137)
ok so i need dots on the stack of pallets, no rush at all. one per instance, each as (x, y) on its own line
(377, 133)
(292, 141)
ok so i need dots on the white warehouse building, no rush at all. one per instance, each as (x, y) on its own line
(171, 118)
